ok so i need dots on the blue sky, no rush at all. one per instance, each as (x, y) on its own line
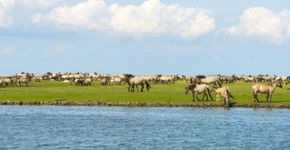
(145, 37)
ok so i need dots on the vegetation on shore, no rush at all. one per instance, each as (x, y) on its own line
(53, 92)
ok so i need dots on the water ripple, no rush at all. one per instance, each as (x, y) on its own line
(56, 127)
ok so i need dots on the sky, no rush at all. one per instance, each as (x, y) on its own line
(145, 37)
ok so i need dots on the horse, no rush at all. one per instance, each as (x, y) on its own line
(87, 82)
(22, 81)
(78, 82)
(116, 80)
(104, 81)
(198, 89)
(2, 83)
(287, 80)
(225, 92)
(201, 79)
(166, 79)
(133, 81)
(265, 89)
(83, 82)
(7, 82)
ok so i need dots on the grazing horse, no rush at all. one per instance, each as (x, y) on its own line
(265, 89)
(287, 80)
(83, 82)
(104, 81)
(22, 81)
(7, 82)
(2, 83)
(116, 80)
(225, 92)
(87, 82)
(198, 89)
(78, 82)
(133, 81)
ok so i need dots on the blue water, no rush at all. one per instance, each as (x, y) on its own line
(56, 127)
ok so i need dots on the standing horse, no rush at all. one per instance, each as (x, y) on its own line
(198, 89)
(133, 81)
(22, 81)
(265, 89)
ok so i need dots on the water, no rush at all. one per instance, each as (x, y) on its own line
(55, 127)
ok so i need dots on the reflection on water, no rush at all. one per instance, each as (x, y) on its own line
(56, 127)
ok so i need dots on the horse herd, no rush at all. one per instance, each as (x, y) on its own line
(198, 84)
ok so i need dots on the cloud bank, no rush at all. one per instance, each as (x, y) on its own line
(150, 17)
(263, 23)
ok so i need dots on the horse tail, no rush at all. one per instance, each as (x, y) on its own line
(208, 92)
(147, 85)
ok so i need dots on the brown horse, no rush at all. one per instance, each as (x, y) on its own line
(265, 89)
(198, 89)
(225, 92)
(133, 82)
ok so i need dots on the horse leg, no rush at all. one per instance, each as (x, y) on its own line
(197, 97)
(133, 87)
(205, 94)
(267, 97)
(208, 92)
(227, 102)
(193, 97)
(129, 87)
(142, 87)
(255, 97)
(270, 95)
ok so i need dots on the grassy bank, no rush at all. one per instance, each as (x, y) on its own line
(52, 92)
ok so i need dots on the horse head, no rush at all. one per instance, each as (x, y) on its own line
(279, 84)
(190, 87)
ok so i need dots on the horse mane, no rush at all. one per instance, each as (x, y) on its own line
(192, 85)
(200, 76)
(129, 75)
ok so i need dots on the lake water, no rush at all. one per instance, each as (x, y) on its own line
(57, 127)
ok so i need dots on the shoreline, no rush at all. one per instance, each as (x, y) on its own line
(139, 104)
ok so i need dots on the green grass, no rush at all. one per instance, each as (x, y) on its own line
(50, 91)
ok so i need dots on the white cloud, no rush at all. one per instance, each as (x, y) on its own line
(150, 17)
(23, 9)
(40, 3)
(263, 23)
(6, 3)
(5, 19)
(8, 51)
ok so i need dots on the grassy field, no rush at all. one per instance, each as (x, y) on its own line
(52, 91)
